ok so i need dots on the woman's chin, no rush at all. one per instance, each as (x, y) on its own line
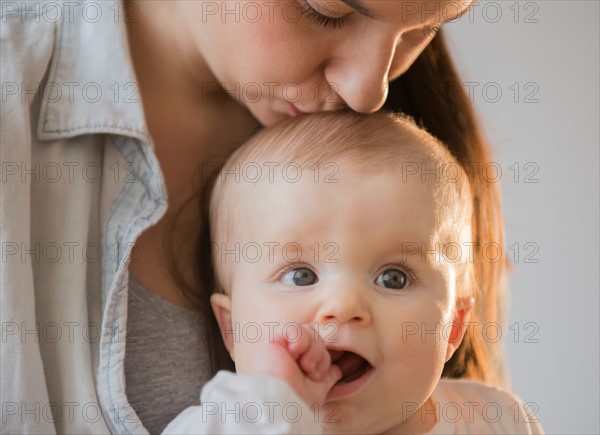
(267, 114)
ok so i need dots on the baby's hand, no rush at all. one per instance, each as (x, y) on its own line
(302, 361)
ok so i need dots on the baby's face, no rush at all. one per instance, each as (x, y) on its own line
(342, 256)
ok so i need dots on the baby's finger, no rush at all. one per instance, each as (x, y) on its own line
(316, 360)
(299, 342)
(331, 377)
(323, 364)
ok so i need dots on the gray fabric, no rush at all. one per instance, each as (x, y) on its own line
(166, 359)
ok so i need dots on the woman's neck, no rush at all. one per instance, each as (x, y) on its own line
(191, 134)
(188, 128)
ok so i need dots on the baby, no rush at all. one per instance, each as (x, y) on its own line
(339, 246)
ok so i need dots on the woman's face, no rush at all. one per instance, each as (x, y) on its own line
(282, 58)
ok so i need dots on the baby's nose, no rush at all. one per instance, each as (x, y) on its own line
(344, 304)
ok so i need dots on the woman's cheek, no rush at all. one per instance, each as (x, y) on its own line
(277, 53)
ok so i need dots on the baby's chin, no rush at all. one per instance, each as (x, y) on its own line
(335, 418)
(374, 427)
(345, 417)
(347, 427)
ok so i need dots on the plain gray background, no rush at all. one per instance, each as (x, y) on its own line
(546, 141)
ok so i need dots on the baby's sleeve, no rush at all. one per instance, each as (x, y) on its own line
(529, 419)
(518, 417)
(470, 407)
(242, 404)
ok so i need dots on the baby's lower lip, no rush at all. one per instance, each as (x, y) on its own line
(340, 391)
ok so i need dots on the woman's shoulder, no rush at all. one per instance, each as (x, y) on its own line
(475, 407)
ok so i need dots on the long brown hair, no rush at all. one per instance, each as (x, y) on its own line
(432, 94)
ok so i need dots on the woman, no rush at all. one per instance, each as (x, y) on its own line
(108, 110)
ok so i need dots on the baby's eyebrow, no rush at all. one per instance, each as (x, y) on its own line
(409, 248)
(420, 252)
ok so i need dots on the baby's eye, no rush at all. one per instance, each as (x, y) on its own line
(300, 276)
(392, 279)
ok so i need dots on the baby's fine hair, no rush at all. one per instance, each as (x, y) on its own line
(373, 143)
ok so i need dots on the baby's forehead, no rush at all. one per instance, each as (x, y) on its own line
(423, 171)
(416, 164)
(292, 190)
(323, 153)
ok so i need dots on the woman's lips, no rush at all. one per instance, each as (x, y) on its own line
(294, 111)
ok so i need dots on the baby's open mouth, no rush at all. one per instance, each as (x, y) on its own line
(352, 365)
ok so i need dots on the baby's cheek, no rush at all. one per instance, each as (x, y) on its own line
(254, 321)
(421, 339)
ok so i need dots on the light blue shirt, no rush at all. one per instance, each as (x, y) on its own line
(80, 181)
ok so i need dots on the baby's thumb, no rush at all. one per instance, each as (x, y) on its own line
(334, 374)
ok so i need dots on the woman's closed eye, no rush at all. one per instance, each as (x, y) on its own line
(299, 276)
(393, 279)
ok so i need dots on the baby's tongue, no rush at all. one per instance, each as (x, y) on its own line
(349, 362)
(335, 355)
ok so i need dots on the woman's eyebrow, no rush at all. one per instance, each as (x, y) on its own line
(359, 7)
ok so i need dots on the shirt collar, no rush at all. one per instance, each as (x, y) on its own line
(91, 86)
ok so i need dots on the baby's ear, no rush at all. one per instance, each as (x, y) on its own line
(462, 315)
(221, 305)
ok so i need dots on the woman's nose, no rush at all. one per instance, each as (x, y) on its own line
(344, 303)
(360, 76)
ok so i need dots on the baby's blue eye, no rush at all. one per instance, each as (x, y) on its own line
(393, 279)
(300, 276)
